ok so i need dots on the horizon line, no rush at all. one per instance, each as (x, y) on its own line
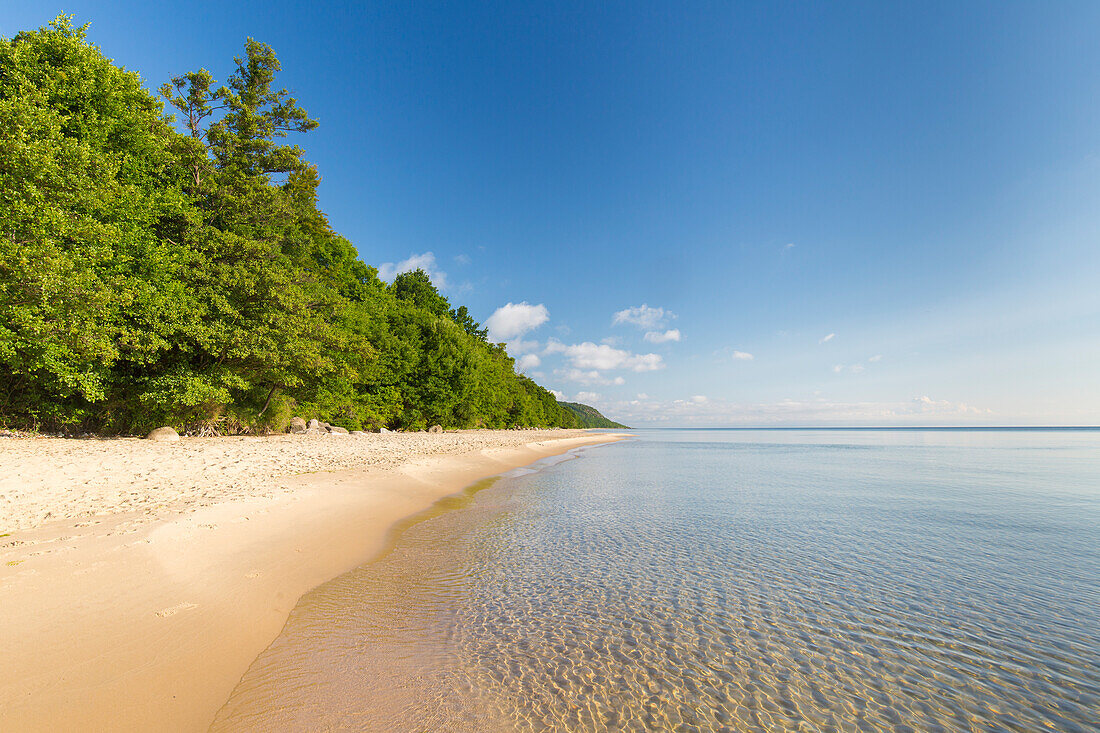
(868, 427)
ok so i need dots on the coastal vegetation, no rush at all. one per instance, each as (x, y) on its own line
(174, 269)
(590, 417)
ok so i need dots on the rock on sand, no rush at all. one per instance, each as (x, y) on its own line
(163, 435)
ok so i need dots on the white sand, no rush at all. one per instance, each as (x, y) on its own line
(45, 480)
(138, 580)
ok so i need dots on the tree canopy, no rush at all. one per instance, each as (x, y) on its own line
(175, 269)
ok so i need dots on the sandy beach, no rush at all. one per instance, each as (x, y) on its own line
(138, 580)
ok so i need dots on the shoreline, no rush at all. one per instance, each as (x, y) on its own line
(146, 616)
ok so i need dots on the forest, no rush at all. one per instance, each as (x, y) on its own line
(590, 417)
(163, 261)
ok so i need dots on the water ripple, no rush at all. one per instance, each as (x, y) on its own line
(701, 585)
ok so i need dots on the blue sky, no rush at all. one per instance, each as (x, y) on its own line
(894, 209)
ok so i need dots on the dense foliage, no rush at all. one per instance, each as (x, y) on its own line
(150, 276)
(590, 417)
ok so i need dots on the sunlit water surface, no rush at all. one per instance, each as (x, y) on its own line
(721, 580)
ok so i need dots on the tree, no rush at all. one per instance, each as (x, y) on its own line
(416, 287)
(463, 318)
(151, 274)
(83, 157)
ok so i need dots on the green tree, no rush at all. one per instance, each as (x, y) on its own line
(159, 270)
(83, 278)
(416, 287)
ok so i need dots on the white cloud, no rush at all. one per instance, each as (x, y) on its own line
(558, 395)
(789, 245)
(827, 339)
(588, 355)
(643, 396)
(515, 319)
(528, 361)
(853, 369)
(643, 316)
(742, 356)
(588, 397)
(656, 337)
(706, 411)
(462, 259)
(388, 270)
(591, 376)
(876, 357)
(519, 346)
(925, 405)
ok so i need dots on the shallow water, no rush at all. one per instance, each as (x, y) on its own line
(721, 580)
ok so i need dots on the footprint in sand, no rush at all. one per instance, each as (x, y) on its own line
(254, 574)
(172, 611)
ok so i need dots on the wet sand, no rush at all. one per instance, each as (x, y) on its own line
(139, 580)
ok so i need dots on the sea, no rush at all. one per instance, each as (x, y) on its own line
(721, 580)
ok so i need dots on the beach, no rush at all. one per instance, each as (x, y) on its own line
(138, 580)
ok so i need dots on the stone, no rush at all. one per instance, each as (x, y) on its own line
(297, 425)
(357, 432)
(384, 430)
(435, 429)
(336, 429)
(163, 435)
(316, 427)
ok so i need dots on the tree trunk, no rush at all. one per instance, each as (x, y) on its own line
(267, 402)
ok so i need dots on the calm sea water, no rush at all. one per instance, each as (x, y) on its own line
(722, 580)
